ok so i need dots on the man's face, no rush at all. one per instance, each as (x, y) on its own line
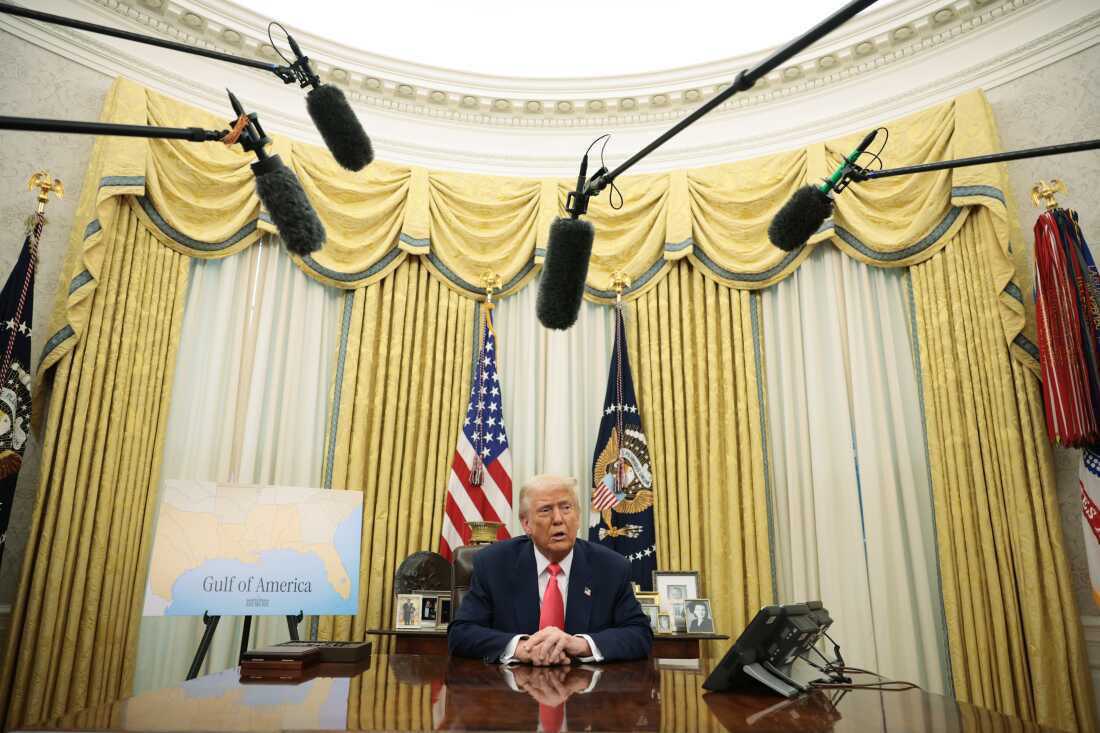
(700, 612)
(552, 520)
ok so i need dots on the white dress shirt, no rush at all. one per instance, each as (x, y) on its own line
(542, 565)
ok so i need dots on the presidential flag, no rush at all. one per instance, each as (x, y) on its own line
(622, 478)
(16, 301)
(480, 486)
(1089, 482)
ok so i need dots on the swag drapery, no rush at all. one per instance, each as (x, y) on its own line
(414, 246)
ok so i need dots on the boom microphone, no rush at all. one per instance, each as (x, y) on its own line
(280, 191)
(566, 265)
(283, 197)
(333, 116)
(810, 206)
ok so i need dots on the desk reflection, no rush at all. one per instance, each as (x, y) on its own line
(610, 697)
(434, 693)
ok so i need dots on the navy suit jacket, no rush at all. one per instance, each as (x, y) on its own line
(503, 601)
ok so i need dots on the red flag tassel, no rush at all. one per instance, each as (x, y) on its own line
(1070, 414)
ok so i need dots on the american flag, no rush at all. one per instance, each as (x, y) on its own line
(480, 487)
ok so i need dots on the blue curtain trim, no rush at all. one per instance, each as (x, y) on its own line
(1013, 291)
(915, 340)
(717, 269)
(79, 281)
(679, 246)
(121, 181)
(345, 329)
(909, 251)
(56, 340)
(1024, 343)
(92, 228)
(352, 276)
(754, 311)
(423, 244)
(987, 191)
(457, 281)
(476, 337)
(178, 236)
(648, 275)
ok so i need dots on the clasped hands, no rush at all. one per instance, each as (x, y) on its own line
(551, 646)
(552, 686)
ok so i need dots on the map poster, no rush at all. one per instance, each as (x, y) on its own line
(254, 551)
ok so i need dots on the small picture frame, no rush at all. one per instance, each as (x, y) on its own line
(444, 612)
(675, 586)
(652, 611)
(698, 616)
(429, 611)
(678, 619)
(664, 624)
(407, 611)
(645, 597)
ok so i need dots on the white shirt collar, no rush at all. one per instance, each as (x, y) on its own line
(541, 562)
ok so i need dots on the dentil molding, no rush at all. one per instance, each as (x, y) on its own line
(888, 61)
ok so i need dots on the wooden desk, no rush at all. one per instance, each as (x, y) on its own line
(430, 693)
(430, 641)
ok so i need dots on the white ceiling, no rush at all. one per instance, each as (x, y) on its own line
(563, 38)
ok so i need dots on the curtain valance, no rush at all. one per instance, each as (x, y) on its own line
(199, 199)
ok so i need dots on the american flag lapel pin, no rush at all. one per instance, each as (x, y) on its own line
(588, 591)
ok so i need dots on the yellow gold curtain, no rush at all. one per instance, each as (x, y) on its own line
(1015, 641)
(697, 353)
(694, 246)
(201, 199)
(403, 375)
(74, 625)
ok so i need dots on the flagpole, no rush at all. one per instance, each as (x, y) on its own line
(619, 283)
(45, 185)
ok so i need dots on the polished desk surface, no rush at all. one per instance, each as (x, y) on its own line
(402, 692)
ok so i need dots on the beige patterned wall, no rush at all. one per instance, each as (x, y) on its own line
(37, 83)
(1059, 103)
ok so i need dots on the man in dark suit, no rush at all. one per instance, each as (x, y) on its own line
(547, 597)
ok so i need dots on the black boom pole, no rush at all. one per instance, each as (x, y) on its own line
(862, 174)
(36, 124)
(137, 37)
(745, 80)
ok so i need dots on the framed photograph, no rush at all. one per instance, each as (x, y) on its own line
(429, 608)
(698, 615)
(678, 620)
(408, 607)
(664, 624)
(652, 610)
(675, 586)
(444, 612)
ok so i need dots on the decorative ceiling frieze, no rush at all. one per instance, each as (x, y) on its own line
(907, 56)
(913, 28)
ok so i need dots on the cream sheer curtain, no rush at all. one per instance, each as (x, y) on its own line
(852, 494)
(553, 386)
(249, 405)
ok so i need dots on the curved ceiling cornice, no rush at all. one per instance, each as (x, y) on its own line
(903, 56)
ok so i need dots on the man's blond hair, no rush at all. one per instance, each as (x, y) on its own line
(546, 481)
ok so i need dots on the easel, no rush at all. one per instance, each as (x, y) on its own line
(211, 623)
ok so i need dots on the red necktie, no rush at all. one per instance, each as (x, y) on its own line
(553, 608)
(551, 716)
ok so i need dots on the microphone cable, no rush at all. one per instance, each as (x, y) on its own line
(606, 137)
